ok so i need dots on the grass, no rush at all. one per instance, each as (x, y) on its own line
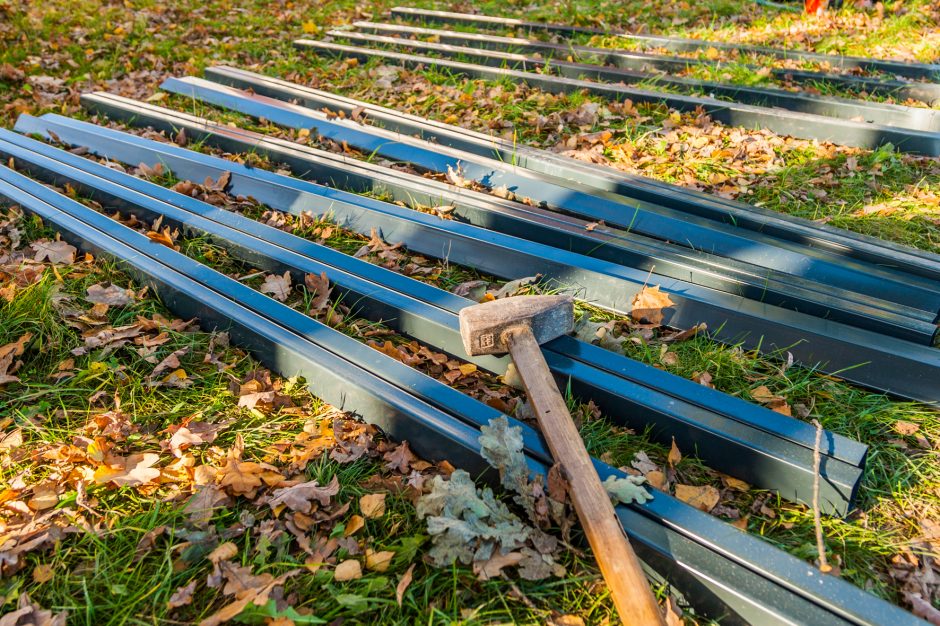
(130, 47)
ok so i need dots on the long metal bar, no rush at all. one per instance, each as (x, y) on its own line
(566, 196)
(283, 192)
(645, 62)
(429, 315)
(887, 260)
(293, 195)
(929, 71)
(884, 114)
(674, 261)
(904, 368)
(805, 125)
(733, 575)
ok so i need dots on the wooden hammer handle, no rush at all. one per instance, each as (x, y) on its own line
(618, 563)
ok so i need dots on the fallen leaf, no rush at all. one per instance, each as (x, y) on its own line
(906, 428)
(372, 505)
(379, 561)
(44, 572)
(347, 570)
(112, 295)
(29, 614)
(648, 305)
(400, 458)
(674, 455)
(300, 497)
(55, 251)
(403, 583)
(182, 596)
(493, 567)
(134, 470)
(703, 498)
(354, 525)
(278, 286)
(223, 552)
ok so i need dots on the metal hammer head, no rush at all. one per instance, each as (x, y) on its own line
(483, 326)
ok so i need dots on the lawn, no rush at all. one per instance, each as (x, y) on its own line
(144, 460)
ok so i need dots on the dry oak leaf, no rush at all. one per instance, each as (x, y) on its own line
(56, 251)
(244, 478)
(320, 287)
(347, 570)
(400, 459)
(182, 596)
(300, 497)
(648, 305)
(277, 286)
(7, 354)
(493, 567)
(112, 295)
(703, 498)
(29, 614)
(372, 505)
(674, 455)
(131, 471)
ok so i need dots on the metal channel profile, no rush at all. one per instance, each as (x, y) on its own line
(905, 369)
(929, 71)
(783, 122)
(623, 248)
(284, 192)
(730, 574)
(884, 114)
(645, 62)
(567, 196)
(885, 258)
(428, 314)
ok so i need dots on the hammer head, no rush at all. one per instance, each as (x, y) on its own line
(483, 326)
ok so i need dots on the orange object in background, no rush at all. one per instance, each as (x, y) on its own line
(812, 6)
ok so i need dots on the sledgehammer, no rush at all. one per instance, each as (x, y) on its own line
(518, 325)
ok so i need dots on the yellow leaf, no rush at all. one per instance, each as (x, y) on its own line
(372, 505)
(310, 28)
(347, 570)
(674, 455)
(378, 561)
(355, 523)
(648, 305)
(43, 573)
(704, 498)
(712, 53)
(467, 368)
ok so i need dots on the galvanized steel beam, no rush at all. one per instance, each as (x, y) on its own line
(646, 62)
(886, 260)
(429, 315)
(731, 575)
(567, 196)
(904, 368)
(916, 118)
(929, 71)
(806, 125)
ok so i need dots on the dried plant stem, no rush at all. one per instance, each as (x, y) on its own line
(817, 518)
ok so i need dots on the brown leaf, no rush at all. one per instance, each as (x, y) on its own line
(319, 286)
(111, 295)
(378, 561)
(223, 552)
(354, 525)
(8, 353)
(493, 567)
(182, 596)
(44, 572)
(902, 427)
(244, 478)
(58, 252)
(403, 583)
(29, 614)
(674, 455)
(648, 305)
(131, 471)
(923, 609)
(400, 458)
(347, 570)
(300, 497)
(704, 498)
(171, 362)
(372, 505)
(278, 286)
